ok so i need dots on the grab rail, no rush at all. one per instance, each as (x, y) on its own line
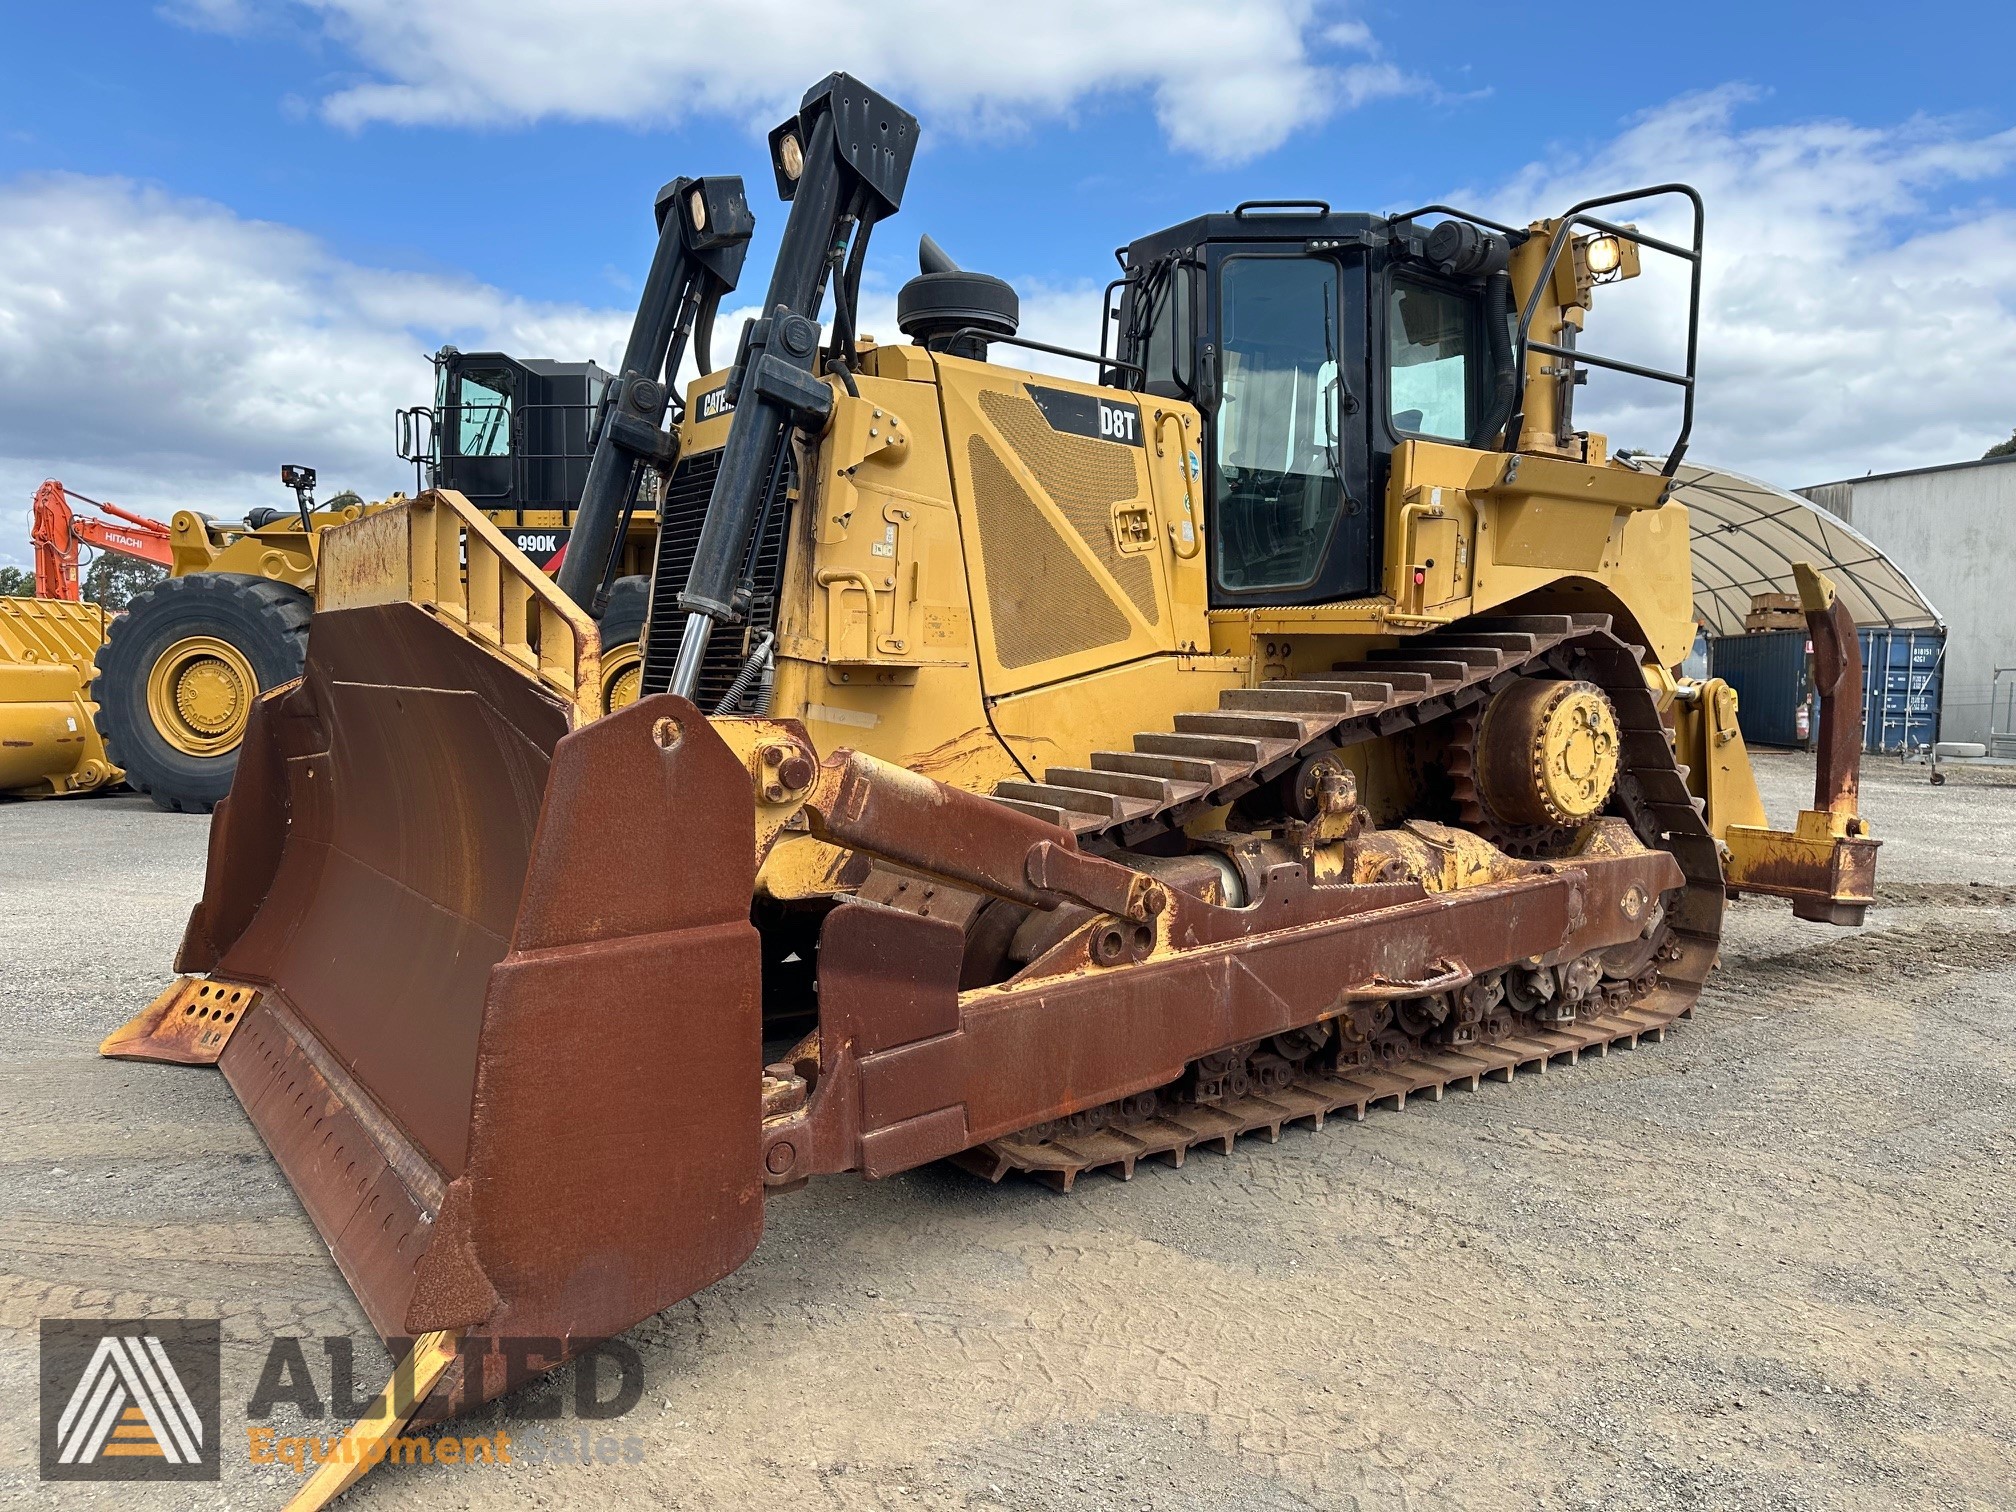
(1578, 215)
(441, 553)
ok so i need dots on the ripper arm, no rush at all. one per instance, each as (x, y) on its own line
(1826, 864)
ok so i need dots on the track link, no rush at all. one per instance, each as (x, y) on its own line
(1312, 1096)
(1258, 734)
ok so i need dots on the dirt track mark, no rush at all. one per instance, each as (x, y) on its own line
(1916, 951)
(1945, 895)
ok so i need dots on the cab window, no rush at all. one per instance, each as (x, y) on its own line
(1428, 361)
(1279, 493)
(483, 421)
(1166, 357)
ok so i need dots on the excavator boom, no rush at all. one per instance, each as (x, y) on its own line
(57, 532)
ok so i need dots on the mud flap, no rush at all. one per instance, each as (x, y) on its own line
(506, 1044)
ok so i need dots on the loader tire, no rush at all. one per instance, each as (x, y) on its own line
(178, 675)
(622, 627)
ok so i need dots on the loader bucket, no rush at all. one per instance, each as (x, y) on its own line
(49, 743)
(500, 1012)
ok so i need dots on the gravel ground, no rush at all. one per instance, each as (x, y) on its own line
(1766, 1264)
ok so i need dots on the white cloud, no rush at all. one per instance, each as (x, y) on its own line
(1227, 81)
(1848, 323)
(164, 353)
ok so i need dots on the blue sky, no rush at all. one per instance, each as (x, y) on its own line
(230, 227)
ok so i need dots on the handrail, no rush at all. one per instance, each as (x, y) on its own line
(1108, 314)
(941, 343)
(442, 554)
(1454, 214)
(1281, 207)
(843, 578)
(1190, 532)
(1578, 215)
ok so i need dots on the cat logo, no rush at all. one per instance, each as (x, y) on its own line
(127, 1412)
(714, 403)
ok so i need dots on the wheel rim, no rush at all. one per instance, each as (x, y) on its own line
(622, 675)
(200, 694)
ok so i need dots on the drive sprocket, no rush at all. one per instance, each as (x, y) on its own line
(1534, 763)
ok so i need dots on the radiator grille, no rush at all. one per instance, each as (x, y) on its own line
(679, 520)
(1085, 479)
(1044, 602)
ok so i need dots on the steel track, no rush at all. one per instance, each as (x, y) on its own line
(1259, 734)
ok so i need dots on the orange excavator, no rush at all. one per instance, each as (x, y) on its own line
(49, 739)
(57, 532)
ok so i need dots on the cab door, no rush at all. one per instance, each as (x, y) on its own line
(1284, 359)
(480, 426)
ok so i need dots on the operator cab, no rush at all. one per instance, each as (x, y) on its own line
(513, 435)
(1315, 343)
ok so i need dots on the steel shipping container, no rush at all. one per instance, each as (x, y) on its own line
(1768, 672)
(1900, 685)
(1901, 676)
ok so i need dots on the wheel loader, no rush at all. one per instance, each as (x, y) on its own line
(163, 693)
(1277, 722)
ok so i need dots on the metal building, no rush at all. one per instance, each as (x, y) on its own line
(1949, 528)
(1745, 536)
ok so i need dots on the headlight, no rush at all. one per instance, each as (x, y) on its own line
(1602, 254)
(791, 156)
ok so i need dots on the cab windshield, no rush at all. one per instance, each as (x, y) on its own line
(483, 421)
(1278, 495)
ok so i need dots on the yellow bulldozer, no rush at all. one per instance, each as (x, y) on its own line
(1045, 775)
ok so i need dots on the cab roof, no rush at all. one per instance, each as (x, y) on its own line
(1280, 221)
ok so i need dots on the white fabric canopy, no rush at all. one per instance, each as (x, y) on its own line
(1747, 534)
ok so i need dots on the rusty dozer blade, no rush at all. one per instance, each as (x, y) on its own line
(506, 1049)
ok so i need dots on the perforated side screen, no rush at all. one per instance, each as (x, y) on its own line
(1045, 603)
(1085, 479)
